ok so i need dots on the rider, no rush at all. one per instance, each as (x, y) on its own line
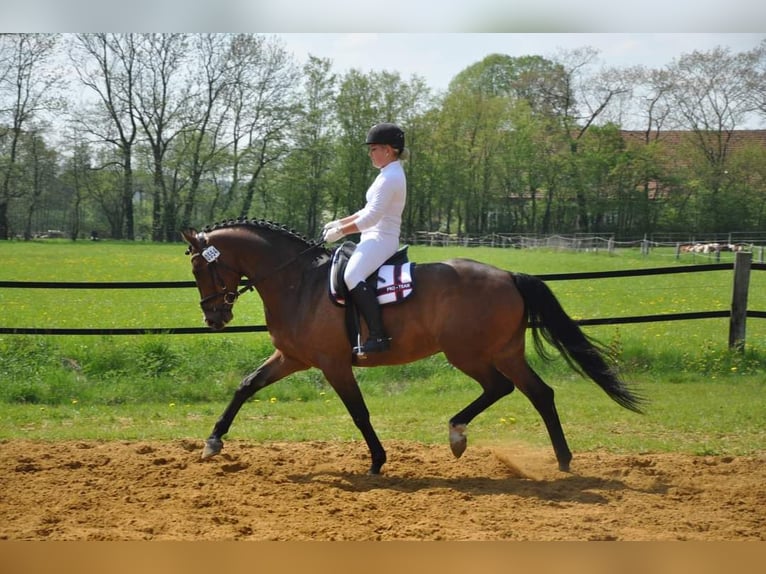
(379, 222)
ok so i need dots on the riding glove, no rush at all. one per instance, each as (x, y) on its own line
(333, 234)
(335, 223)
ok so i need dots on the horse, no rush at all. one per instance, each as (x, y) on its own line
(475, 314)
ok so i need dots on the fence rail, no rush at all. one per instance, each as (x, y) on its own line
(713, 244)
(737, 315)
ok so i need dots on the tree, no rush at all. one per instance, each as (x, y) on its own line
(357, 111)
(746, 188)
(655, 107)
(587, 98)
(264, 108)
(27, 89)
(203, 147)
(757, 78)
(474, 114)
(160, 103)
(109, 65)
(178, 127)
(424, 176)
(711, 98)
(411, 103)
(538, 81)
(493, 111)
(307, 172)
(40, 176)
(77, 179)
(526, 171)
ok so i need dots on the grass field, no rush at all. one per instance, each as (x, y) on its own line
(704, 397)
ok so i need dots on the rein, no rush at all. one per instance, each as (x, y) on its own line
(212, 256)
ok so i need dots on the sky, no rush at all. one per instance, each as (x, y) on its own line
(434, 39)
(438, 57)
(421, 16)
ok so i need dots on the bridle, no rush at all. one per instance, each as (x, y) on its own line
(213, 258)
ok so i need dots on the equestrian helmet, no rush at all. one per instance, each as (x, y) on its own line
(386, 133)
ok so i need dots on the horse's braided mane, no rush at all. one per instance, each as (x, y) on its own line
(260, 224)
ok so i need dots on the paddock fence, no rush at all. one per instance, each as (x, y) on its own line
(737, 315)
(708, 248)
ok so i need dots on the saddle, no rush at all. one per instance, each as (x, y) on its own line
(392, 282)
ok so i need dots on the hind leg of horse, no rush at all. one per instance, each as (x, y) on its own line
(348, 390)
(541, 396)
(276, 367)
(495, 386)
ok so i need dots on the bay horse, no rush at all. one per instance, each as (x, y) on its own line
(475, 314)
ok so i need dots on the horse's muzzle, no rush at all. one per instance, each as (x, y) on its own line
(218, 319)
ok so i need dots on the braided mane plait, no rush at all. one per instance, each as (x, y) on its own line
(260, 224)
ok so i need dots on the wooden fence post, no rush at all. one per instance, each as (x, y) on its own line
(742, 262)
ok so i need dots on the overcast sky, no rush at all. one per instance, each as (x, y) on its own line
(438, 57)
(382, 16)
(434, 39)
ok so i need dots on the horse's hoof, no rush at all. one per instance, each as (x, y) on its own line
(377, 464)
(213, 446)
(457, 439)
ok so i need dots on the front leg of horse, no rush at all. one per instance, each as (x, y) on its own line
(377, 453)
(348, 390)
(457, 439)
(273, 369)
(214, 443)
(213, 446)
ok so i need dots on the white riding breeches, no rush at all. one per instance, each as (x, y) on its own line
(371, 252)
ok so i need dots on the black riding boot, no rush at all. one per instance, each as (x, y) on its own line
(367, 301)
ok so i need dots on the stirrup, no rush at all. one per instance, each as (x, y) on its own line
(372, 345)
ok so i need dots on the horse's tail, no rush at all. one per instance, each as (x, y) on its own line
(549, 322)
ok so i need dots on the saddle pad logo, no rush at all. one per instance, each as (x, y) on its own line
(394, 283)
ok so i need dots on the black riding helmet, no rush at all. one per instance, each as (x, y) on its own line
(388, 134)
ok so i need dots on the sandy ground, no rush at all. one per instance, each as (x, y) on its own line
(320, 491)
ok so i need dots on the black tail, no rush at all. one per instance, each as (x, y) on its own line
(550, 322)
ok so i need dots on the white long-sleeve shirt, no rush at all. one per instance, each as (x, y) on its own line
(386, 196)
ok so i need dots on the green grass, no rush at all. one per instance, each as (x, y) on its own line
(704, 397)
(714, 417)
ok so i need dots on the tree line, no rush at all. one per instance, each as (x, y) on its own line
(139, 135)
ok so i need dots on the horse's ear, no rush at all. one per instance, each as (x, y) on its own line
(190, 236)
